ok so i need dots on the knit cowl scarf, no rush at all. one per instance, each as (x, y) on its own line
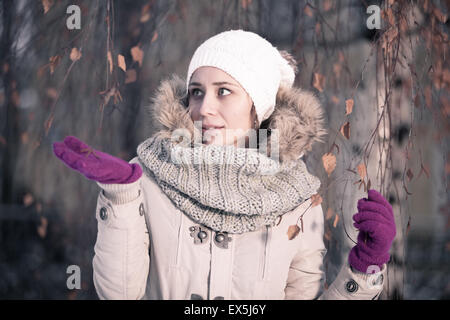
(223, 187)
(226, 188)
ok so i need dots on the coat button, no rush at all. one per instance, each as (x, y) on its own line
(220, 237)
(199, 234)
(103, 213)
(195, 296)
(378, 280)
(351, 286)
(141, 209)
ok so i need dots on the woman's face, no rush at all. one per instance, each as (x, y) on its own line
(221, 105)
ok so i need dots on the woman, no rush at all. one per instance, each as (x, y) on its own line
(210, 210)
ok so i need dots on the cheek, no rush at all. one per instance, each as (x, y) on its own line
(194, 111)
(237, 118)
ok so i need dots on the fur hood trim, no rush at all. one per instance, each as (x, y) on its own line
(298, 116)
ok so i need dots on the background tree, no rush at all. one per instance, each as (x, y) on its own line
(385, 93)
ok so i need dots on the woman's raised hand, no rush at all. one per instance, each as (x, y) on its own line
(94, 164)
(376, 224)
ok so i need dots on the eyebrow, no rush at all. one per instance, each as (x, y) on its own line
(214, 83)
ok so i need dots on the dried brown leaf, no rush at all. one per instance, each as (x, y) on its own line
(28, 199)
(245, 4)
(52, 93)
(42, 228)
(319, 81)
(362, 170)
(336, 220)
(145, 12)
(345, 130)
(47, 4)
(329, 214)
(279, 221)
(137, 54)
(145, 17)
(293, 231)
(75, 54)
(327, 5)
(318, 28)
(54, 61)
(329, 162)
(408, 226)
(121, 62)
(390, 16)
(308, 11)
(155, 36)
(442, 17)
(327, 234)
(24, 138)
(348, 106)
(110, 61)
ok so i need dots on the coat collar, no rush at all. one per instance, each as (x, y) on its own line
(298, 116)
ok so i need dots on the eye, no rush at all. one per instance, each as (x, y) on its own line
(194, 91)
(221, 91)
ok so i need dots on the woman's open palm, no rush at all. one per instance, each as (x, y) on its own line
(94, 164)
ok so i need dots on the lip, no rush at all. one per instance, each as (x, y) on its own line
(204, 128)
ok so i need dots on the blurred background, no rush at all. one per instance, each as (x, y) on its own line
(380, 69)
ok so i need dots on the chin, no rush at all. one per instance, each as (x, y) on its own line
(213, 141)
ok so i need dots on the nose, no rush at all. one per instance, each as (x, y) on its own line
(208, 105)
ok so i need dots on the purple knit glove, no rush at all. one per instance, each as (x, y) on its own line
(376, 224)
(95, 165)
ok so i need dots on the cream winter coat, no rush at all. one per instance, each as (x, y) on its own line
(148, 249)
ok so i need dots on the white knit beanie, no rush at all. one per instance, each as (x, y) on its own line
(252, 61)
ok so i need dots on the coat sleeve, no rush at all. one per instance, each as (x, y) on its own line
(306, 274)
(354, 285)
(121, 260)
